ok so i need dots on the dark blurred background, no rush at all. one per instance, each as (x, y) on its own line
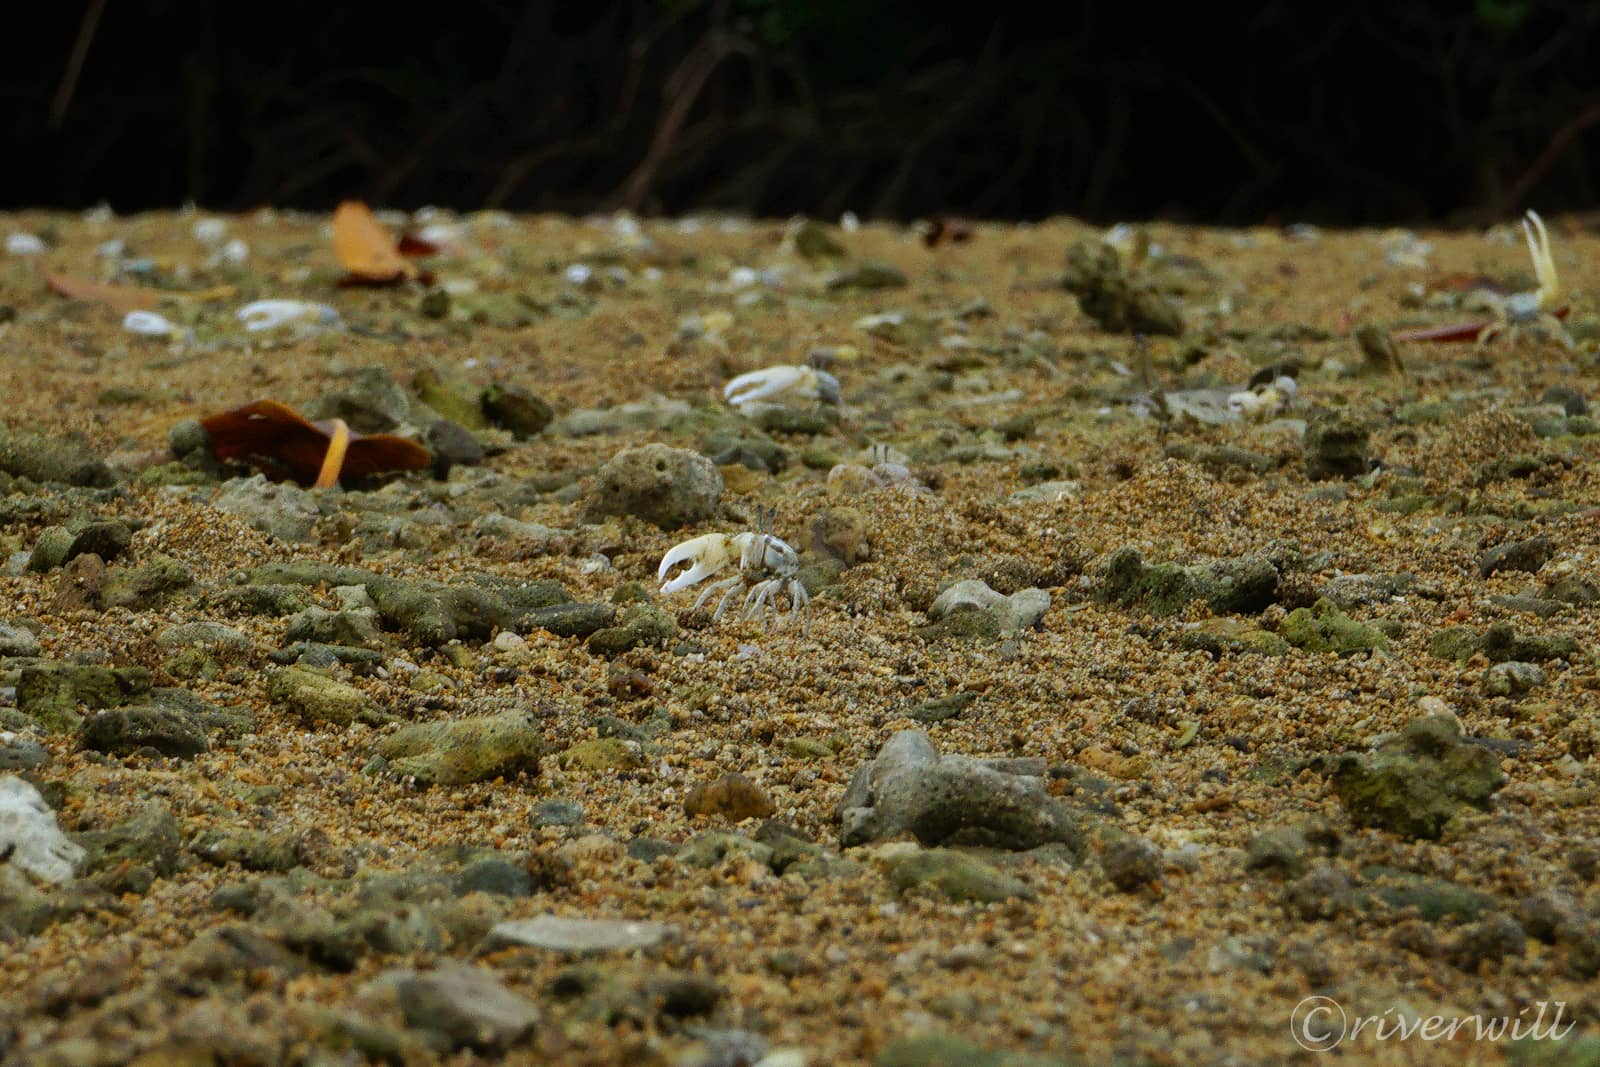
(1209, 112)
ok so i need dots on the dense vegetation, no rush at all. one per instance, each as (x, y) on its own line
(1362, 112)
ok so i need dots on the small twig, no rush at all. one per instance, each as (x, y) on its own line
(80, 51)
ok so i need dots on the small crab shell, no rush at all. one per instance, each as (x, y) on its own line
(706, 555)
(770, 383)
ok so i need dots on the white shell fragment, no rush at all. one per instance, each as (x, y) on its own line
(210, 231)
(270, 314)
(149, 324)
(24, 244)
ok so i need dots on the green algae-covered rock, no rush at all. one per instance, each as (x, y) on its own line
(1416, 782)
(1324, 628)
(466, 750)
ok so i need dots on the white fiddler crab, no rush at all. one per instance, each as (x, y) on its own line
(1540, 307)
(768, 567)
(777, 386)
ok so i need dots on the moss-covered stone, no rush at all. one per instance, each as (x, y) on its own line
(1457, 643)
(451, 396)
(145, 586)
(466, 750)
(641, 624)
(1324, 628)
(1245, 584)
(954, 874)
(51, 459)
(129, 856)
(1117, 301)
(600, 755)
(1416, 782)
(52, 694)
(125, 730)
(319, 699)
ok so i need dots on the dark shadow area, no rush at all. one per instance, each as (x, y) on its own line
(1358, 113)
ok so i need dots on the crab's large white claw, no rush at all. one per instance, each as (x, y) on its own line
(769, 381)
(1544, 264)
(270, 314)
(706, 555)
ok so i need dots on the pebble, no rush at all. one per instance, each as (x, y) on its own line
(468, 1007)
(670, 487)
(281, 509)
(910, 788)
(578, 936)
(732, 796)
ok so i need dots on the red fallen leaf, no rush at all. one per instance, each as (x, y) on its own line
(947, 229)
(122, 298)
(285, 444)
(1456, 331)
(365, 249)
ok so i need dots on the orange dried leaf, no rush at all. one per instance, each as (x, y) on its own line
(365, 249)
(285, 444)
(123, 298)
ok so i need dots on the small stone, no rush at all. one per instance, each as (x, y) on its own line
(1130, 863)
(30, 840)
(1335, 446)
(467, 1006)
(557, 813)
(733, 796)
(1512, 679)
(494, 875)
(452, 445)
(511, 407)
(17, 641)
(1528, 556)
(126, 730)
(910, 788)
(670, 487)
(578, 937)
